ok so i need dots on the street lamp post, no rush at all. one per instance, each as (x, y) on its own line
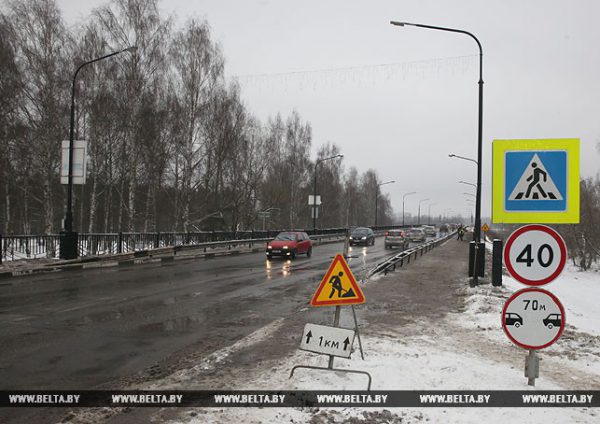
(377, 196)
(479, 129)
(429, 213)
(68, 245)
(404, 197)
(447, 213)
(315, 190)
(420, 201)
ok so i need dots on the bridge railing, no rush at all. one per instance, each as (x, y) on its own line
(16, 247)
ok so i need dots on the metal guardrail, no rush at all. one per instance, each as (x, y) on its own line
(15, 247)
(406, 255)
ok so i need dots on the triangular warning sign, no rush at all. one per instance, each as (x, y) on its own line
(338, 287)
(535, 183)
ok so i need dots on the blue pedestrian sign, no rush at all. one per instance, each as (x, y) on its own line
(536, 181)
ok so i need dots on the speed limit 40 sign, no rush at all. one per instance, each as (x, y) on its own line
(535, 255)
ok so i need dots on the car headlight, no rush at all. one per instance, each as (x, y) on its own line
(269, 247)
(350, 237)
(364, 238)
(285, 247)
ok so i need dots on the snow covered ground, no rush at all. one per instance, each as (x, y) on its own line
(466, 350)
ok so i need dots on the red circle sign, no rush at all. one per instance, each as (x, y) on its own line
(535, 255)
(533, 318)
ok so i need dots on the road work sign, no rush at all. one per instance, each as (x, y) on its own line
(535, 255)
(533, 318)
(327, 340)
(485, 228)
(338, 287)
(535, 181)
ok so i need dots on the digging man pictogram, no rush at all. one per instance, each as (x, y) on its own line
(336, 284)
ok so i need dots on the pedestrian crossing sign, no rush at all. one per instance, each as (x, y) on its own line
(535, 181)
(338, 287)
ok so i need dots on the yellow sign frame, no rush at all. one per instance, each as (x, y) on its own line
(501, 215)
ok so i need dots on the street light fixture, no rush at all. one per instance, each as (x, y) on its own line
(404, 197)
(471, 184)
(68, 245)
(377, 196)
(452, 155)
(429, 213)
(421, 201)
(477, 232)
(267, 212)
(318, 161)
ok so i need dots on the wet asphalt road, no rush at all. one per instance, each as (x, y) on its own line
(95, 328)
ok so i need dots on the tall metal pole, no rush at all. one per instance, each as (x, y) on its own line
(477, 230)
(377, 195)
(314, 211)
(429, 213)
(68, 248)
(419, 218)
(317, 162)
(404, 197)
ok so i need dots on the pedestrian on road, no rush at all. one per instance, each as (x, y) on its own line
(461, 232)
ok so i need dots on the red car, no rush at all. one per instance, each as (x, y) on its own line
(288, 244)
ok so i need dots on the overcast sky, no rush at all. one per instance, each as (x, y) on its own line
(541, 72)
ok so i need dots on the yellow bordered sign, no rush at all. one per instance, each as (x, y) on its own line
(535, 181)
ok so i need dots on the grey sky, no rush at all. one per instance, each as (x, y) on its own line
(541, 67)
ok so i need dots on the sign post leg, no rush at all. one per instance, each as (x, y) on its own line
(362, 355)
(532, 367)
(336, 323)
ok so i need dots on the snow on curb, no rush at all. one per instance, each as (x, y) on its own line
(463, 351)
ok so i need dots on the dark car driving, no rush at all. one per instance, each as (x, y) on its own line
(362, 235)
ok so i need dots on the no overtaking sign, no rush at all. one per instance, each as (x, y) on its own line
(533, 318)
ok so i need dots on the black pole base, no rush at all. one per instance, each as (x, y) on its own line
(480, 259)
(68, 245)
(497, 263)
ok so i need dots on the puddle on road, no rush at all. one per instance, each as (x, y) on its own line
(129, 310)
(285, 268)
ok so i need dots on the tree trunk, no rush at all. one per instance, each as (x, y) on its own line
(120, 205)
(147, 207)
(93, 202)
(107, 209)
(131, 201)
(48, 208)
(6, 206)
